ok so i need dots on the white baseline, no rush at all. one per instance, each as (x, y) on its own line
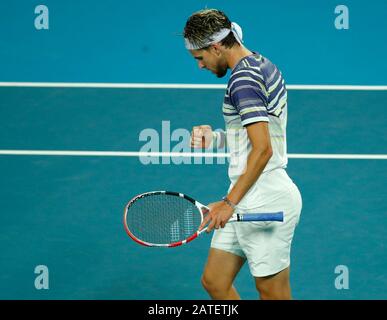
(179, 154)
(180, 86)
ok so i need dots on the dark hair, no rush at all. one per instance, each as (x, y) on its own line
(201, 25)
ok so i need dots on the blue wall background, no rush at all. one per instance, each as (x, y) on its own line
(127, 41)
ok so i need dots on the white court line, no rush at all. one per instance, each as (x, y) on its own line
(178, 86)
(179, 154)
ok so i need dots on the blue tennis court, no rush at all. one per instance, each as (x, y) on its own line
(64, 211)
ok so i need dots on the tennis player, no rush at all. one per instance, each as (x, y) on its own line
(255, 114)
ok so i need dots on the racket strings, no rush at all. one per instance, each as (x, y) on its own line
(163, 219)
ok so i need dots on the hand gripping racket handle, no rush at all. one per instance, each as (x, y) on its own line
(273, 216)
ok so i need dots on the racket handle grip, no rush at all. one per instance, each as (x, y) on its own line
(274, 216)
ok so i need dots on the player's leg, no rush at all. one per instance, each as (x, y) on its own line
(274, 287)
(219, 274)
(267, 245)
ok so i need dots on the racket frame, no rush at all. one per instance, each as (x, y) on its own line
(275, 216)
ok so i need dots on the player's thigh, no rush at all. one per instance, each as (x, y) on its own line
(275, 282)
(222, 267)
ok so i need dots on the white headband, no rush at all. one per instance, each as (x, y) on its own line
(217, 37)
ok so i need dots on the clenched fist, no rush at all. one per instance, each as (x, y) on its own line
(201, 136)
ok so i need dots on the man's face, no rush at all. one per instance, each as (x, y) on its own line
(212, 60)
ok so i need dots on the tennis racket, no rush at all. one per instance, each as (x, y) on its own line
(170, 219)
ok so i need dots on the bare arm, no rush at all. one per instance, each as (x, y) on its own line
(259, 156)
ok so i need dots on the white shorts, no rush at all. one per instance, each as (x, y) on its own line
(265, 245)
